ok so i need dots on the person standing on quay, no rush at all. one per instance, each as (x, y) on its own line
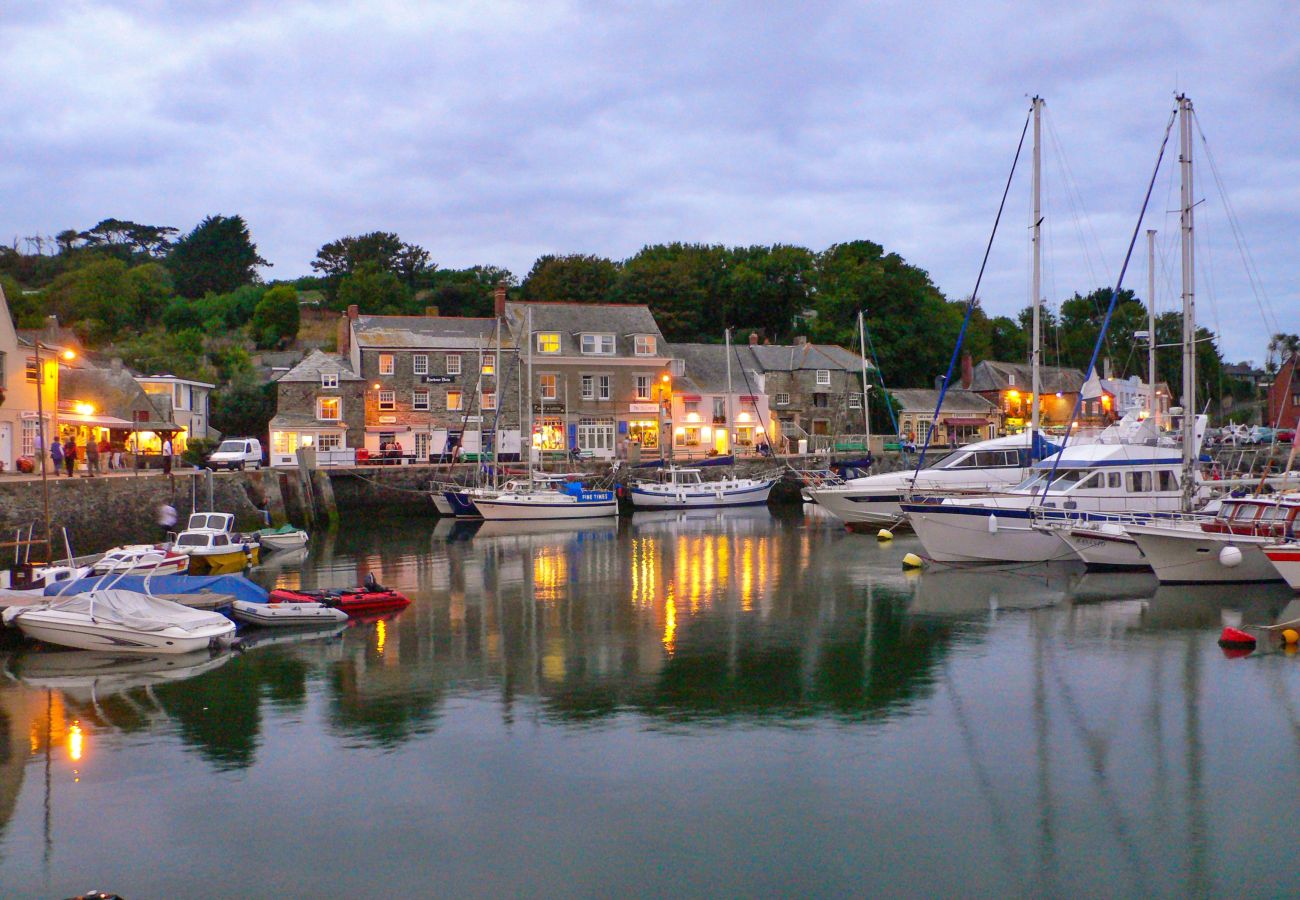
(56, 456)
(92, 457)
(105, 454)
(167, 456)
(70, 455)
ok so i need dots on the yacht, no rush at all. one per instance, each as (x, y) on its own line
(1228, 548)
(570, 500)
(680, 488)
(120, 621)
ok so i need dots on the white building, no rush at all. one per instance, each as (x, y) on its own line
(189, 402)
(19, 424)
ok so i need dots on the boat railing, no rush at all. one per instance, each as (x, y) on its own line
(1049, 516)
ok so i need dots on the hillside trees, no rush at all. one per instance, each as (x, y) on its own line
(218, 256)
(276, 317)
(576, 278)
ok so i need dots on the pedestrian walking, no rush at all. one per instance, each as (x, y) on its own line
(167, 456)
(105, 454)
(56, 456)
(166, 519)
(92, 458)
(70, 455)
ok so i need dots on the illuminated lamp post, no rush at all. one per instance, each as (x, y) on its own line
(40, 432)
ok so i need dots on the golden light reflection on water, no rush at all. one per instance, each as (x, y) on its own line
(550, 574)
(645, 552)
(381, 636)
(670, 623)
(76, 742)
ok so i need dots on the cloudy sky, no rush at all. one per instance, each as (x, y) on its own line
(495, 132)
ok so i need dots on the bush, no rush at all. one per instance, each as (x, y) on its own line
(197, 451)
(276, 317)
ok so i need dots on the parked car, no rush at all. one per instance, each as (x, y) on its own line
(1261, 434)
(237, 453)
(1285, 435)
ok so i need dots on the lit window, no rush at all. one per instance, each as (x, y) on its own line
(489, 399)
(453, 400)
(385, 364)
(598, 344)
(548, 342)
(645, 345)
(643, 383)
(420, 364)
(782, 399)
(823, 376)
(329, 379)
(329, 442)
(329, 408)
(489, 365)
(548, 387)
(387, 400)
(31, 370)
(420, 400)
(453, 364)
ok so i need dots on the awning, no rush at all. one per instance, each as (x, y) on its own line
(95, 420)
(387, 429)
(965, 421)
(690, 398)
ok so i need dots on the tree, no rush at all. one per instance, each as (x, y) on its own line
(123, 239)
(575, 278)
(383, 250)
(244, 407)
(217, 256)
(373, 291)
(276, 318)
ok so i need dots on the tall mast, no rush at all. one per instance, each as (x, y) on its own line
(726, 334)
(866, 407)
(528, 435)
(1190, 451)
(1036, 280)
(1153, 408)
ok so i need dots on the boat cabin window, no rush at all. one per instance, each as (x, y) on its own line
(193, 540)
(1242, 512)
(959, 461)
(1139, 482)
(1092, 482)
(991, 459)
(1168, 481)
(1114, 480)
(1273, 514)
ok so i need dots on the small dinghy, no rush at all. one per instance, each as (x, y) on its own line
(285, 538)
(359, 601)
(282, 613)
(121, 621)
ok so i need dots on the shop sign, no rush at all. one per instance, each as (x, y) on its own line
(438, 379)
(643, 407)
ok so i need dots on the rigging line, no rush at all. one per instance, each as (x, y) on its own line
(1114, 295)
(880, 374)
(1262, 299)
(1072, 192)
(974, 298)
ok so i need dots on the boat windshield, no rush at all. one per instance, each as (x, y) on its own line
(1065, 480)
(231, 447)
(192, 540)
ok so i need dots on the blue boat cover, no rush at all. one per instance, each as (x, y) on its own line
(236, 586)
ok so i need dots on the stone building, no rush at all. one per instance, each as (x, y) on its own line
(965, 418)
(602, 375)
(1009, 386)
(319, 403)
(716, 411)
(814, 390)
(98, 403)
(188, 401)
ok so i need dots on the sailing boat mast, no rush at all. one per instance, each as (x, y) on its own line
(726, 336)
(528, 435)
(1152, 408)
(1190, 451)
(866, 406)
(1036, 279)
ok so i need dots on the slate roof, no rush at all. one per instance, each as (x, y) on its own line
(301, 421)
(624, 320)
(425, 332)
(956, 401)
(316, 363)
(998, 376)
(115, 392)
(706, 367)
(799, 357)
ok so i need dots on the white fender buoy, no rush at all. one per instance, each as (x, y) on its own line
(912, 561)
(1230, 557)
(993, 524)
(884, 534)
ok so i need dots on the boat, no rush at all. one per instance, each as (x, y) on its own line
(200, 591)
(1285, 558)
(157, 559)
(287, 537)
(282, 613)
(440, 503)
(27, 578)
(1228, 548)
(570, 500)
(1101, 544)
(212, 546)
(370, 598)
(680, 488)
(121, 621)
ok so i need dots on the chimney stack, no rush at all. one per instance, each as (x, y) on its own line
(344, 342)
(967, 372)
(499, 300)
(753, 339)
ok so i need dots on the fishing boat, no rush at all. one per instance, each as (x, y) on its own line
(285, 613)
(121, 621)
(287, 537)
(157, 559)
(1285, 558)
(571, 500)
(1228, 548)
(212, 546)
(680, 488)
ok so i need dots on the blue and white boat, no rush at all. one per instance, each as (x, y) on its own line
(678, 488)
(570, 500)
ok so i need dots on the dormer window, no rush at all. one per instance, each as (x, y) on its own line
(598, 345)
(329, 379)
(548, 342)
(645, 345)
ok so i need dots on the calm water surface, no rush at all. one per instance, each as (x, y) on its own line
(710, 704)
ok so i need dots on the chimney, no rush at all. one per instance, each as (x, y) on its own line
(1105, 368)
(431, 312)
(967, 372)
(753, 339)
(344, 342)
(499, 300)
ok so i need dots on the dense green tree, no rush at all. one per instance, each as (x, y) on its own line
(276, 318)
(160, 351)
(125, 240)
(243, 407)
(382, 250)
(374, 291)
(218, 256)
(665, 285)
(575, 278)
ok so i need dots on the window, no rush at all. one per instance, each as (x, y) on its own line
(284, 443)
(548, 342)
(31, 430)
(598, 344)
(488, 366)
(420, 364)
(1168, 482)
(329, 442)
(645, 345)
(691, 407)
(453, 364)
(453, 400)
(719, 410)
(643, 383)
(1114, 479)
(855, 401)
(385, 364)
(689, 436)
(588, 387)
(782, 399)
(1138, 482)
(596, 435)
(419, 400)
(329, 408)
(822, 401)
(422, 442)
(548, 386)
(489, 399)
(31, 370)
(329, 379)
(387, 400)
(603, 391)
(824, 376)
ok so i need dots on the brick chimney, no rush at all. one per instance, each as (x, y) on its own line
(345, 330)
(967, 372)
(499, 300)
(753, 339)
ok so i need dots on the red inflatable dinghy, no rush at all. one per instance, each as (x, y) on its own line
(358, 601)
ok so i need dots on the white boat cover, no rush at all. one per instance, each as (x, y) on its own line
(130, 609)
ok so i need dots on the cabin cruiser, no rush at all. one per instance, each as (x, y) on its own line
(1128, 470)
(978, 468)
(1227, 548)
(678, 488)
(121, 621)
(212, 546)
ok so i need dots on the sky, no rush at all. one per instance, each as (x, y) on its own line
(495, 132)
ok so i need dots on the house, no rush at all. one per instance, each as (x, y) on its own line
(966, 417)
(718, 404)
(1009, 386)
(602, 375)
(20, 408)
(433, 383)
(1284, 396)
(813, 389)
(320, 402)
(98, 403)
(1131, 395)
(1244, 371)
(188, 401)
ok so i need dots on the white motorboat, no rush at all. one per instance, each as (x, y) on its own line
(980, 468)
(286, 614)
(212, 546)
(138, 558)
(121, 621)
(678, 488)
(1227, 548)
(568, 501)
(286, 538)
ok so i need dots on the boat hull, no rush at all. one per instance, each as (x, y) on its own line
(353, 603)
(291, 541)
(1286, 560)
(1104, 550)
(462, 505)
(878, 508)
(974, 534)
(54, 627)
(441, 504)
(1183, 556)
(697, 498)
(515, 510)
(224, 562)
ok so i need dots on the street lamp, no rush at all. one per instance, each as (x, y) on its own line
(44, 447)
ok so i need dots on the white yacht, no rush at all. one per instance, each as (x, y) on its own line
(678, 488)
(570, 500)
(1228, 548)
(873, 501)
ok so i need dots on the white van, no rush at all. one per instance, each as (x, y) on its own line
(237, 453)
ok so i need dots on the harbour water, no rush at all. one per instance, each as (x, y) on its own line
(727, 704)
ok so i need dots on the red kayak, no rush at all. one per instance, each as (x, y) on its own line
(353, 601)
